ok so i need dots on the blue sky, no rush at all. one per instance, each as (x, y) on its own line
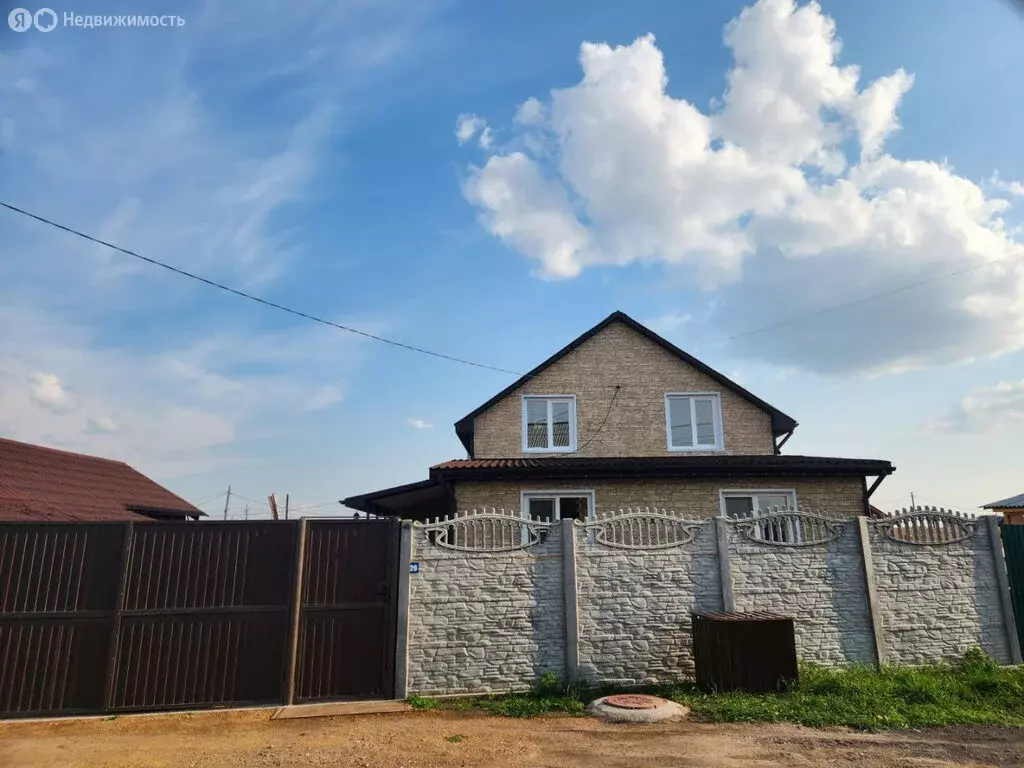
(489, 180)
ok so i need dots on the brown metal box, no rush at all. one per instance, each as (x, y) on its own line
(754, 652)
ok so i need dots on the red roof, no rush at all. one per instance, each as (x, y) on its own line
(39, 483)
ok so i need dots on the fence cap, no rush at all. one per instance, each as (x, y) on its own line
(741, 616)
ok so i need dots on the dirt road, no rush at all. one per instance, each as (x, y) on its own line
(444, 740)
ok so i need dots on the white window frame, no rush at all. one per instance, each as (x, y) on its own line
(551, 438)
(724, 493)
(525, 496)
(716, 416)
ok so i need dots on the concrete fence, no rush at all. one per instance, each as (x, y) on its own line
(495, 599)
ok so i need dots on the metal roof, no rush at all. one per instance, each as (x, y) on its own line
(1010, 503)
(40, 483)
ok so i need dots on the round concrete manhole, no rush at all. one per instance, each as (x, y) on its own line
(636, 708)
(633, 701)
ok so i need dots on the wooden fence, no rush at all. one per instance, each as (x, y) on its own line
(119, 617)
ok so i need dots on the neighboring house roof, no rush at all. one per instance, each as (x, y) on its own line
(656, 466)
(1011, 503)
(781, 423)
(39, 483)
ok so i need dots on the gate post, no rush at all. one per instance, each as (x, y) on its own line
(402, 617)
(1003, 584)
(293, 640)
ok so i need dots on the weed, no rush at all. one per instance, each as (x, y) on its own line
(454, 739)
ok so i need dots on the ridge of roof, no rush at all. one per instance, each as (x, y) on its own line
(76, 454)
(781, 422)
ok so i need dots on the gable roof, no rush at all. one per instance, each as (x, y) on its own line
(781, 423)
(1011, 503)
(40, 483)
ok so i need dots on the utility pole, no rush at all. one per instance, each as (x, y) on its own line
(912, 505)
(272, 498)
(227, 501)
(287, 498)
(246, 511)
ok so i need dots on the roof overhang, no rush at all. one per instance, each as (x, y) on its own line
(613, 468)
(781, 423)
(401, 497)
(1014, 502)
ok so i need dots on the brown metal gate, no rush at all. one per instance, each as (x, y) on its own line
(348, 610)
(115, 617)
(58, 601)
(204, 619)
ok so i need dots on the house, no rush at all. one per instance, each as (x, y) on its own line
(1012, 509)
(40, 484)
(620, 417)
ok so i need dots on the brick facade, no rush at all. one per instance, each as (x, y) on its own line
(698, 498)
(635, 425)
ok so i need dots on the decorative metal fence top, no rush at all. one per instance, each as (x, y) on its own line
(928, 525)
(791, 527)
(642, 528)
(486, 530)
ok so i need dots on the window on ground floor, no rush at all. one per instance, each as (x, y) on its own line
(741, 503)
(558, 505)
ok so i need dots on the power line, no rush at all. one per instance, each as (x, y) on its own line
(411, 348)
(249, 296)
(863, 299)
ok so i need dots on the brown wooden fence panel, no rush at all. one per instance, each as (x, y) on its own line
(347, 626)
(58, 595)
(205, 615)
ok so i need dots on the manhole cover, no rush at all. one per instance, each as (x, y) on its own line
(633, 701)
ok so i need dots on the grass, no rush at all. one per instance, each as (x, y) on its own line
(972, 690)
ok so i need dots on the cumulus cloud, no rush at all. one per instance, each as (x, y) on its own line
(763, 202)
(46, 391)
(419, 424)
(1015, 188)
(468, 126)
(985, 409)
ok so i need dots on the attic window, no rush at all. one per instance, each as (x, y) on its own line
(549, 423)
(693, 421)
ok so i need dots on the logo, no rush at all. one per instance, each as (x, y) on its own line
(45, 19)
(22, 20)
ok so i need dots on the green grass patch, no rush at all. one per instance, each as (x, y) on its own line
(973, 690)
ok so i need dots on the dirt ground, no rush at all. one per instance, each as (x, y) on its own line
(443, 740)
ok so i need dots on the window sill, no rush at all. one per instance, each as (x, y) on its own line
(571, 449)
(698, 449)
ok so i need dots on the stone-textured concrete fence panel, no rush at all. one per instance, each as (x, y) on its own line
(496, 599)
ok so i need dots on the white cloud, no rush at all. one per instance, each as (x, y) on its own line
(666, 324)
(419, 424)
(323, 397)
(171, 410)
(101, 424)
(468, 126)
(530, 112)
(985, 409)
(757, 203)
(1015, 188)
(46, 391)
